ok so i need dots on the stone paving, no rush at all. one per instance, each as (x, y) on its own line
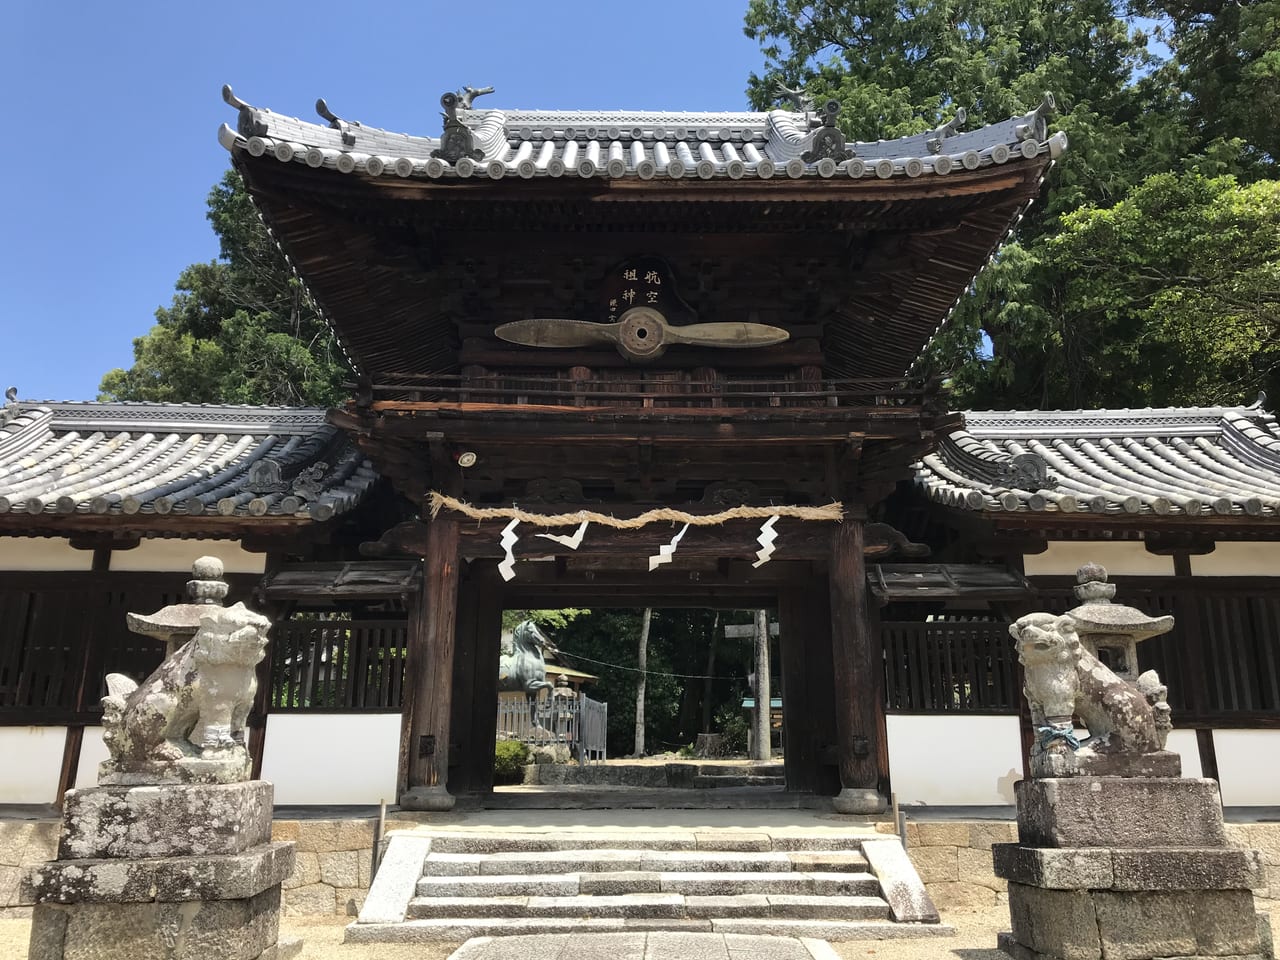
(645, 946)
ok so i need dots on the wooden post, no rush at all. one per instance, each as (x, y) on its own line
(430, 670)
(484, 706)
(763, 714)
(856, 671)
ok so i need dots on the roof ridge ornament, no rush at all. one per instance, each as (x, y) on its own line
(948, 129)
(828, 142)
(1034, 125)
(457, 141)
(469, 94)
(251, 122)
(342, 126)
(797, 97)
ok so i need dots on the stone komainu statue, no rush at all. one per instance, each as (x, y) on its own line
(1126, 721)
(185, 722)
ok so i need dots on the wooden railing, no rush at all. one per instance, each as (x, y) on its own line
(949, 667)
(657, 389)
(350, 666)
(578, 722)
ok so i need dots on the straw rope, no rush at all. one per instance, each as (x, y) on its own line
(440, 501)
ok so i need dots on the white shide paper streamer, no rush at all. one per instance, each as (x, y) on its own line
(507, 567)
(571, 540)
(666, 550)
(767, 536)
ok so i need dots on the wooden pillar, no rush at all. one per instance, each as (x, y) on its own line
(429, 670)
(763, 714)
(858, 673)
(484, 703)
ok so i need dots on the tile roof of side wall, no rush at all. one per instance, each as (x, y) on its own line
(183, 460)
(1179, 462)
(633, 144)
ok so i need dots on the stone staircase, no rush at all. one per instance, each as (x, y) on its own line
(441, 885)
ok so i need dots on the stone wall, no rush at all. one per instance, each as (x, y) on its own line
(23, 843)
(333, 867)
(953, 857)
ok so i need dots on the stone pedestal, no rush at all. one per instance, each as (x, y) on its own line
(172, 872)
(1136, 868)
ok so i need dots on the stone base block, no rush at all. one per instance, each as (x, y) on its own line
(1123, 925)
(1181, 868)
(165, 821)
(236, 876)
(1119, 812)
(1162, 763)
(231, 769)
(211, 930)
(427, 798)
(859, 800)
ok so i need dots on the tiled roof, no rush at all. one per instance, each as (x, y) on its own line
(176, 459)
(617, 144)
(1189, 462)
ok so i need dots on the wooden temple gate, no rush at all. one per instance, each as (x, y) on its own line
(548, 313)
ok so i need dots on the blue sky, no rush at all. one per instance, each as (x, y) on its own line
(113, 109)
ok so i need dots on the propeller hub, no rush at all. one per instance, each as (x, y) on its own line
(641, 333)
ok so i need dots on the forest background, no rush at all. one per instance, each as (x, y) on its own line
(1148, 274)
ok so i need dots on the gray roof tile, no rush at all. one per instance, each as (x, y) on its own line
(643, 144)
(179, 459)
(1188, 462)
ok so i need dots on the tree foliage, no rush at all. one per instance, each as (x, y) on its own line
(1034, 330)
(604, 643)
(239, 329)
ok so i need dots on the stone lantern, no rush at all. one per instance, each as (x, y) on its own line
(1111, 631)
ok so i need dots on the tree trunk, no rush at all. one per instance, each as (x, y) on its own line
(764, 697)
(710, 678)
(643, 664)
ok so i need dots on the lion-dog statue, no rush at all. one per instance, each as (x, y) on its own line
(185, 722)
(1064, 680)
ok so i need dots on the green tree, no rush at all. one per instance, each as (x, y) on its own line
(240, 328)
(1174, 292)
(1226, 58)
(1024, 338)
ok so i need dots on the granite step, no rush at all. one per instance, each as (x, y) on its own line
(667, 906)
(827, 883)
(705, 781)
(612, 860)
(432, 930)
(688, 883)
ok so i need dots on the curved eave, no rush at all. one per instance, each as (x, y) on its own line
(1200, 465)
(160, 467)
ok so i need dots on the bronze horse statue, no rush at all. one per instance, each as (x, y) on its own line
(525, 669)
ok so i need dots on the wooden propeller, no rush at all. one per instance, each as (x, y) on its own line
(641, 334)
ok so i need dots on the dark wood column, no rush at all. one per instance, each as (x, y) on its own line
(429, 675)
(858, 675)
(475, 683)
(807, 702)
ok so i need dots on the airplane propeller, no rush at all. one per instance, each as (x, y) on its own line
(641, 334)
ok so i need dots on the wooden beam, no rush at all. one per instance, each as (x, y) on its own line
(858, 675)
(429, 669)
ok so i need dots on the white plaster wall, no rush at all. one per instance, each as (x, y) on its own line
(1120, 557)
(954, 760)
(42, 553)
(176, 556)
(32, 759)
(1233, 559)
(1248, 767)
(92, 752)
(347, 758)
(1183, 743)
